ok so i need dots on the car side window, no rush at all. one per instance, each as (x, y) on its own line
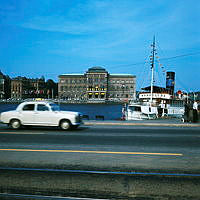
(28, 107)
(42, 107)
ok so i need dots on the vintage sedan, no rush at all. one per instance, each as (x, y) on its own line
(41, 113)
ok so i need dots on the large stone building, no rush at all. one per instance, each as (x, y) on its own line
(97, 84)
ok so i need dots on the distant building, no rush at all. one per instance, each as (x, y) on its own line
(23, 88)
(4, 86)
(97, 84)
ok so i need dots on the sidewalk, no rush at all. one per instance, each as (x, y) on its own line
(158, 122)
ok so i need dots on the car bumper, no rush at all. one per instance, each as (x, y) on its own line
(77, 123)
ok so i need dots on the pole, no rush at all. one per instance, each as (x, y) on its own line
(194, 96)
(152, 68)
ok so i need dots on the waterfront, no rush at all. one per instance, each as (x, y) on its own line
(109, 111)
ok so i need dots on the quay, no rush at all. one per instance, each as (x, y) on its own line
(174, 122)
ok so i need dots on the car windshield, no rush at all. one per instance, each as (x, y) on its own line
(55, 107)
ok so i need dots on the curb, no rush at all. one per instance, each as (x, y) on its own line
(140, 124)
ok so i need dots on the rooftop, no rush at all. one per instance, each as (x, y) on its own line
(96, 69)
(122, 75)
(70, 75)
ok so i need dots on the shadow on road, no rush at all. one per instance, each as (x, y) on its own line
(39, 128)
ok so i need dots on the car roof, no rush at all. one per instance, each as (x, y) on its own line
(32, 102)
(36, 102)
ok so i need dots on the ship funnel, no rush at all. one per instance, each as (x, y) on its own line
(170, 82)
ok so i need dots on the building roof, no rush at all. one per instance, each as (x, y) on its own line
(120, 75)
(96, 69)
(74, 75)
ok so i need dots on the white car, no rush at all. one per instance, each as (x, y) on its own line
(41, 113)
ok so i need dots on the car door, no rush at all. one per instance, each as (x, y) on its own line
(43, 115)
(27, 114)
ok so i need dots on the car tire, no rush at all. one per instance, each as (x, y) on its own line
(65, 124)
(15, 124)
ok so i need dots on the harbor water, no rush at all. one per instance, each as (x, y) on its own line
(108, 111)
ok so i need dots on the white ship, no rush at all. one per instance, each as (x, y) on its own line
(155, 102)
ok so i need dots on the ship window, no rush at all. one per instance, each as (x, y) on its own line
(138, 109)
(135, 108)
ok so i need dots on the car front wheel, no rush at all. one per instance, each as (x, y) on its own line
(65, 125)
(15, 124)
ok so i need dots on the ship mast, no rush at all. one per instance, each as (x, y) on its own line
(152, 62)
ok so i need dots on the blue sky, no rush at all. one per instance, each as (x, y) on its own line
(53, 37)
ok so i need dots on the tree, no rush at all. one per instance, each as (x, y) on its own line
(51, 89)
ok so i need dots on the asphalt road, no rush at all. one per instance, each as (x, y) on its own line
(103, 148)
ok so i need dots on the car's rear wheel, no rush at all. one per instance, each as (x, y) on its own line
(15, 124)
(65, 124)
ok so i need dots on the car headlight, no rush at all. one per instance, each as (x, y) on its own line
(78, 118)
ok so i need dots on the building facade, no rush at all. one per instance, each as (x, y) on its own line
(97, 84)
(5, 83)
(23, 88)
(2, 86)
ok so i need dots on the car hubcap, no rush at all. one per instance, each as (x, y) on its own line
(65, 125)
(15, 124)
